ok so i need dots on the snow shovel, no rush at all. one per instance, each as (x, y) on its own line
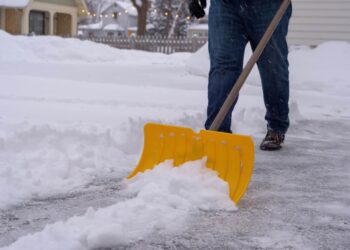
(230, 155)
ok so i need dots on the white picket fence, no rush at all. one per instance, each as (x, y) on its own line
(152, 43)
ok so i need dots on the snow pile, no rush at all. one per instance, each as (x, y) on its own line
(68, 50)
(191, 185)
(199, 63)
(162, 200)
(39, 161)
(21, 48)
(325, 67)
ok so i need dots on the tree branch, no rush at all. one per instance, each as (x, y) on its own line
(135, 4)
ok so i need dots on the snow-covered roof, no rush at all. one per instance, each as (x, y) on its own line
(23, 3)
(123, 5)
(14, 3)
(113, 26)
(92, 26)
(127, 6)
(134, 28)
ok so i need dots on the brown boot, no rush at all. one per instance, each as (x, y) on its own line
(272, 141)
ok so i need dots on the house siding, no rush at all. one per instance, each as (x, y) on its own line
(317, 21)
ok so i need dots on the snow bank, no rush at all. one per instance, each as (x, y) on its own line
(43, 160)
(199, 62)
(47, 48)
(324, 68)
(162, 200)
(67, 50)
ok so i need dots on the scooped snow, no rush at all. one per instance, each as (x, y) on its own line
(38, 161)
(160, 200)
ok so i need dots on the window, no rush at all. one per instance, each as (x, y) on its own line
(37, 22)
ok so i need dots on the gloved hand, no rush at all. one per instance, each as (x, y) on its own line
(197, 8)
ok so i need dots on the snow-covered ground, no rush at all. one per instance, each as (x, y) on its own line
(71, 129)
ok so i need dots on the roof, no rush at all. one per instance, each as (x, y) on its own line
(92, 26)
(82, 7)
(83, 10)
(14, 3)
(113, 26)
(128, 6)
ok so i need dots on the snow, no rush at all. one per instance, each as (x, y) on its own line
(124, 5)
(92, 26)
(316, 64)
(128, 7)
(71, 118)
(52, 160)
(14, 3)
(55, 49)
(198, 27)
(308, 67)
(113, 26)
(310, 70)
(134, 28)
(161, 199)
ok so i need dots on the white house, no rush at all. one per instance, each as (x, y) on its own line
(117, 18)
(317, 21)
(42, 17)
(313, 22)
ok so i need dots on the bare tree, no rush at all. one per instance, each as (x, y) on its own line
(142, 8)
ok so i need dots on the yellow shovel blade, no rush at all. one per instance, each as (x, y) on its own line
(231, 156)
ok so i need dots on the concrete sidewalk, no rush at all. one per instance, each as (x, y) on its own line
(298, 198)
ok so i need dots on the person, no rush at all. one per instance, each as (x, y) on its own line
(232, 24)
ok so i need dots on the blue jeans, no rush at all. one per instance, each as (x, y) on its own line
(232, 24)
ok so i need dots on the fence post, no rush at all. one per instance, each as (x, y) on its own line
(132, 42)
(194, 44)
